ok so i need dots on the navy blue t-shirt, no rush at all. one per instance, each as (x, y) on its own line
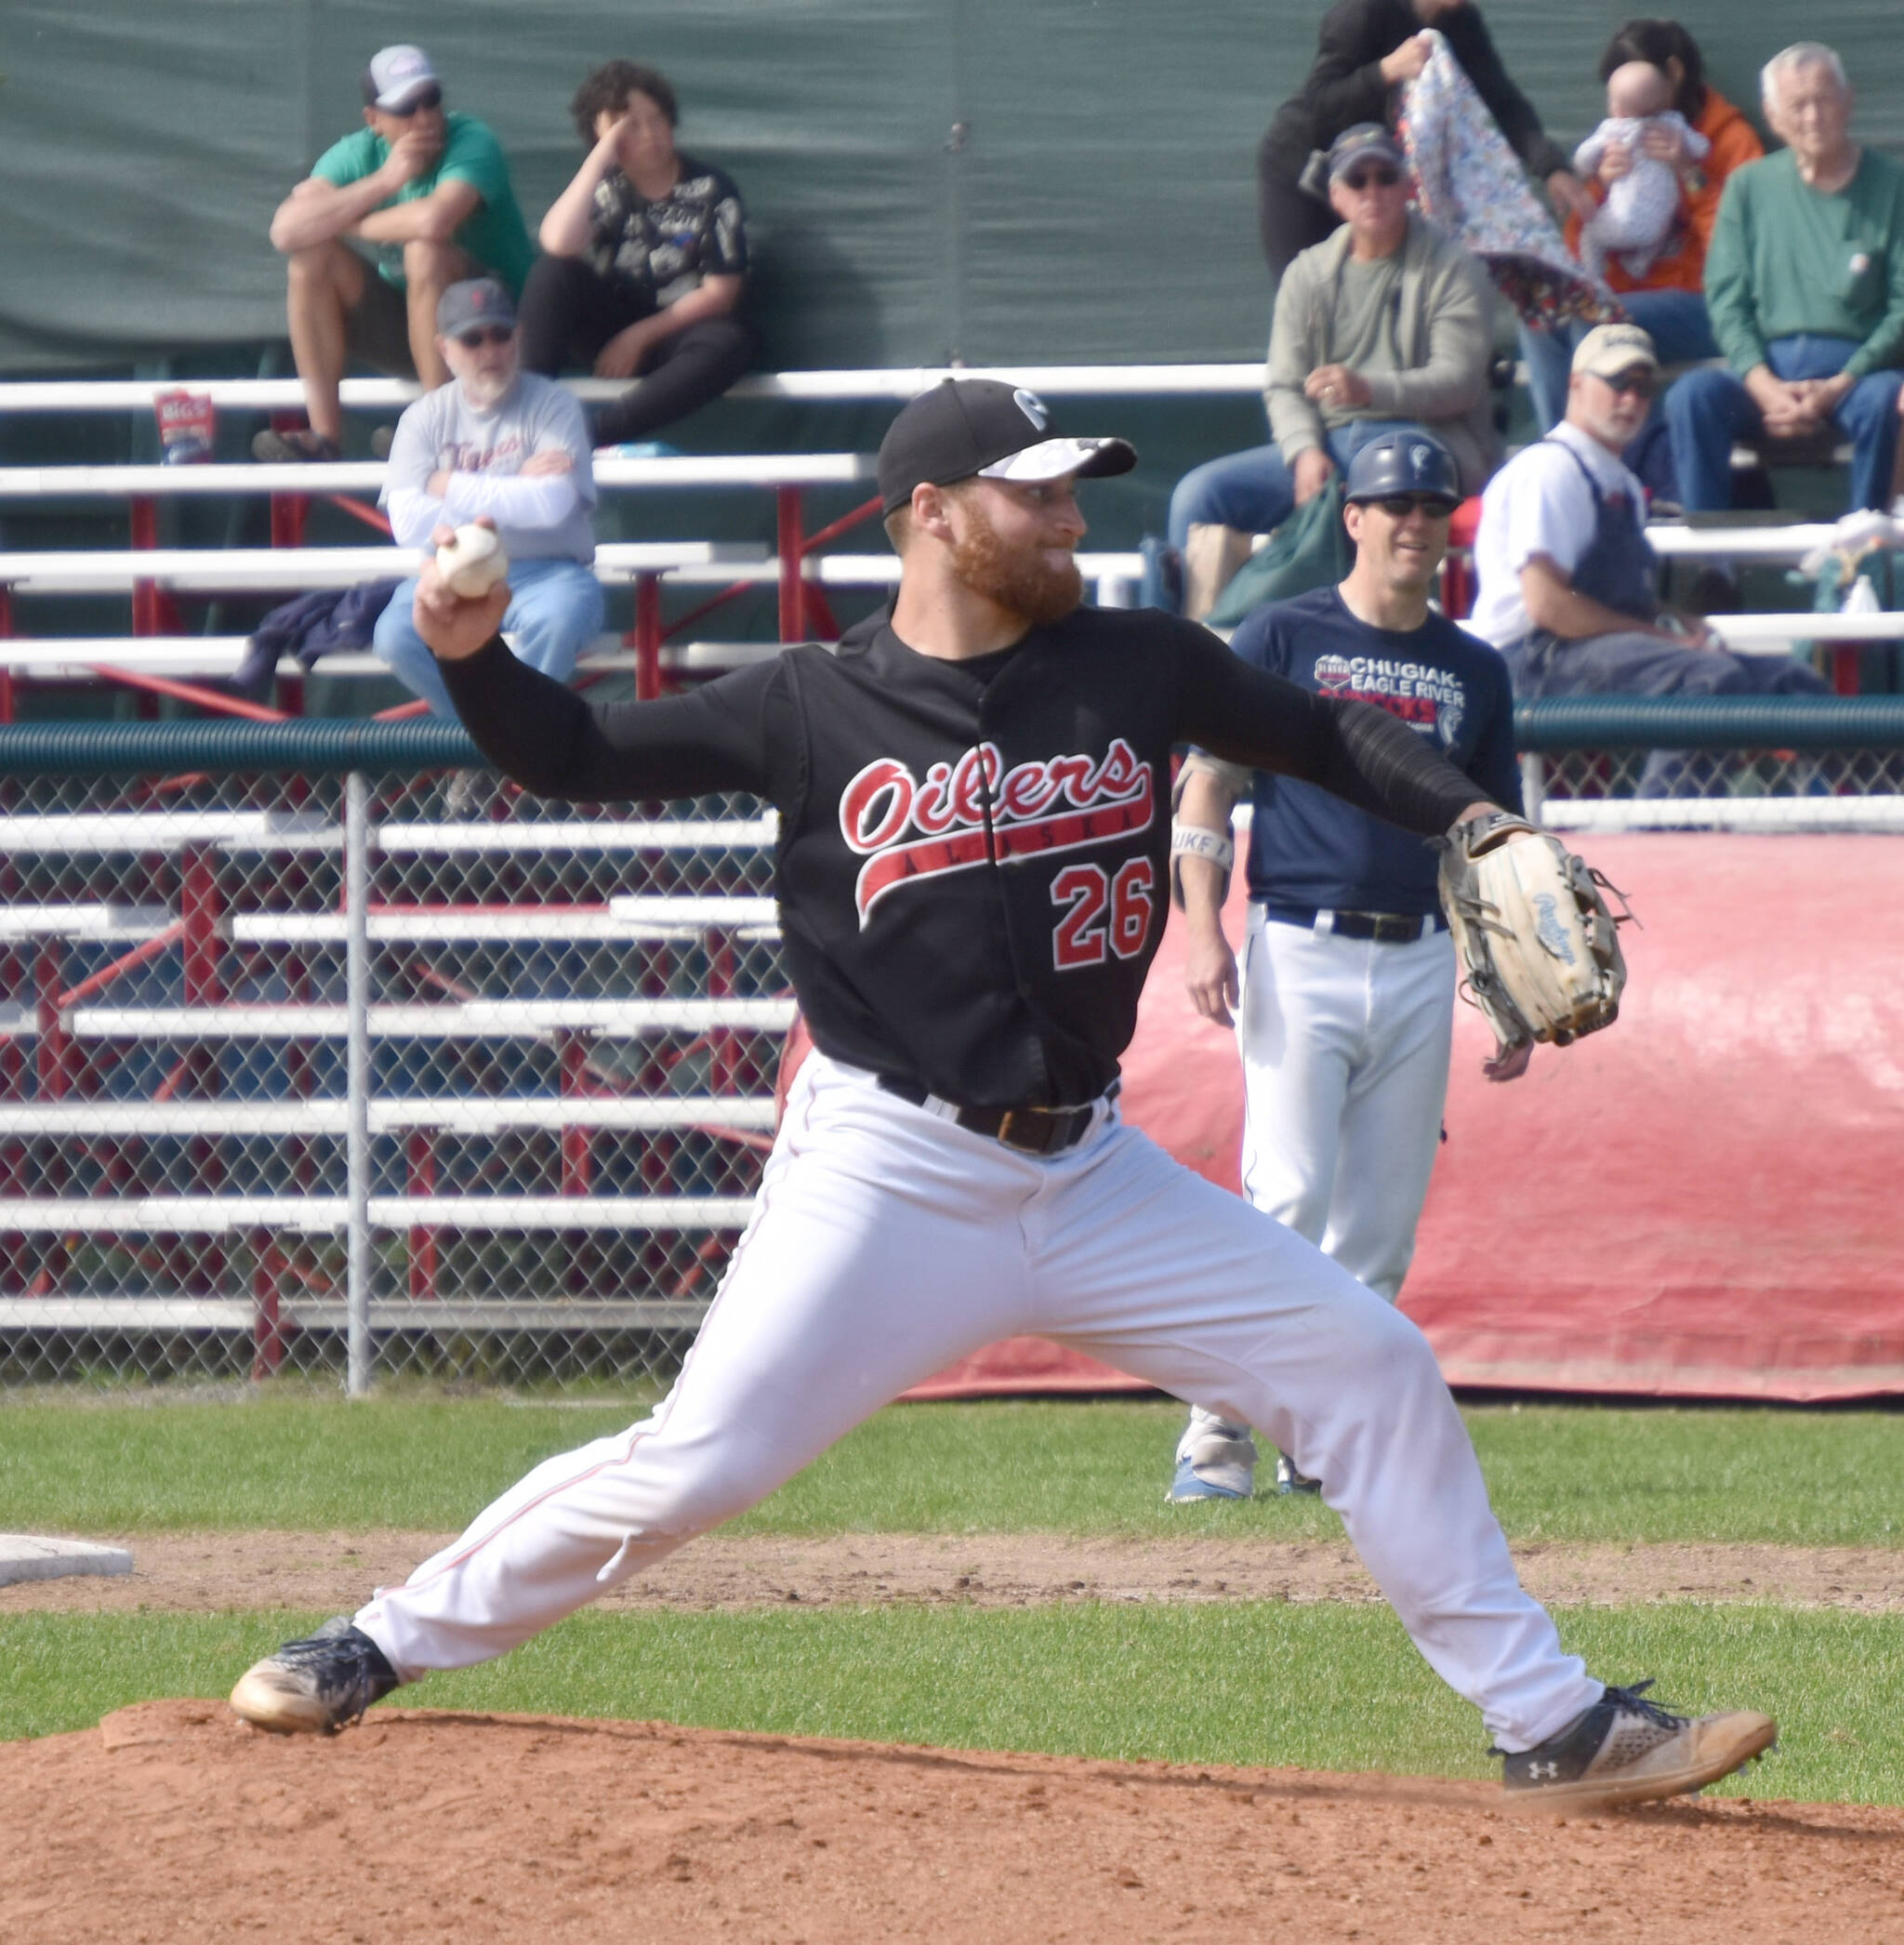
(1307, 848)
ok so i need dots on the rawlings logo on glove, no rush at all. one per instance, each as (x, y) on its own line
(1539, 947)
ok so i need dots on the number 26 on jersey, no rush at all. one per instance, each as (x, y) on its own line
(1101, 912)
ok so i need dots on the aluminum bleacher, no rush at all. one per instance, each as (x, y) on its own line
(276, 1073)
(158, 657)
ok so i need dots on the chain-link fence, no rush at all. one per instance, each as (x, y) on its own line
(1734, 773)
(318, 1055)
(1720, 763)
(374, 1072)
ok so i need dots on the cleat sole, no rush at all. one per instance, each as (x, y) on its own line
(266, 1705)
(1726, 1744)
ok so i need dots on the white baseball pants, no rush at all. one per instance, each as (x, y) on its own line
(1344, 1045)
(888, 1242)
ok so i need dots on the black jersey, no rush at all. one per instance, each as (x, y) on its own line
(972, 861)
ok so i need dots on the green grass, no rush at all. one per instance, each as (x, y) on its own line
(294, 1458)
(1253, 1683)
(1327, 1687)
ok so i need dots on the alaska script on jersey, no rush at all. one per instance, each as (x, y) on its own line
(967, 813)
(971, 854)
(1001, 856)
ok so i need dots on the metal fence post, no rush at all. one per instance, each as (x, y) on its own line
(1533, 784)
(357, 1079)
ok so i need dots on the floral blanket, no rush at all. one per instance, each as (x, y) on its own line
(1472, 186)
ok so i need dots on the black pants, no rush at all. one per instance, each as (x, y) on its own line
(1289, 218)
(569, 313)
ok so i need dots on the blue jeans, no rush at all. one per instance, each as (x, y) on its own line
(1549, 358)
(1707, 410)
(1681, 329)
(1255, 491)
(1675, 319)
(555, 612)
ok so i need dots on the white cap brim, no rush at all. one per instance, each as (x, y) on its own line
(1054, 459)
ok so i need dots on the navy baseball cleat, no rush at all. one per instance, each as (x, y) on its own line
(1289, 1478)
(1625, 1749)
(316, 1685)
(1215, 1460)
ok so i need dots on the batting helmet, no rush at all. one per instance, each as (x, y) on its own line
(1409, 462)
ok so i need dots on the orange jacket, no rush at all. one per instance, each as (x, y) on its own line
(1681, 264)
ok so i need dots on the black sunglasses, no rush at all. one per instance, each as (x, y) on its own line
(485, 334)
(1383, 177)
(1639, 381)
(431, 96)
(1398, 505)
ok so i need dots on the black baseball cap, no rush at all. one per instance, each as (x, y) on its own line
(1363, 142)
(964, 427)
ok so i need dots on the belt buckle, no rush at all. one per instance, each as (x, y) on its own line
(1005, 1134)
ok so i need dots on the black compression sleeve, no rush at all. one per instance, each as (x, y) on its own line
(552, 742)
(1394, 771)
(1355, 751)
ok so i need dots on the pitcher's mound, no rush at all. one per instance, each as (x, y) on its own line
(173, 1820)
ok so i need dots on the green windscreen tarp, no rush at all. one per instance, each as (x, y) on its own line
(1049, 181)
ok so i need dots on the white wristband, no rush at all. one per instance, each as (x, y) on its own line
(1189, 841)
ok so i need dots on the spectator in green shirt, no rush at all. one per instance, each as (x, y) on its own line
(391, 215)
(1805, 283)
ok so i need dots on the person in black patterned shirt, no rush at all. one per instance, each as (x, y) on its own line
(646, 262)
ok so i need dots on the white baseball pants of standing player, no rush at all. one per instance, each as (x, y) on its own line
(1344, 1044)
(887, 1243)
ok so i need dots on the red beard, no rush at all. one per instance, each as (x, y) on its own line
(1020, 583)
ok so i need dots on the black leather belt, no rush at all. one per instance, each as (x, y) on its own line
(1385, 927)
(1032, 1130)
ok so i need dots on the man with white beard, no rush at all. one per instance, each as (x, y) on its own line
(501, 444)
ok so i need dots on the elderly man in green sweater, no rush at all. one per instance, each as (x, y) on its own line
(1804, 281)
(1382, 328)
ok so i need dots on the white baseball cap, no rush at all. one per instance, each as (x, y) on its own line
(395, 76)
(1612, 351)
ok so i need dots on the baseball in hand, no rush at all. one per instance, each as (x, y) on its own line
(472, 562)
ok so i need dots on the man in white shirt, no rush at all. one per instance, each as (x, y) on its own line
(500, 442)
(1567, 573)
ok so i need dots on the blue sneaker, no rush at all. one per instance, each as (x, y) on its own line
(1215, 1460)
(1290, 1479)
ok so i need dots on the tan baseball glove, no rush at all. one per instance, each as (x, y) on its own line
(1539, 947)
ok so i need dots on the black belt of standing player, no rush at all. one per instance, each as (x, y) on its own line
(1032, 1130)
(1385, 927)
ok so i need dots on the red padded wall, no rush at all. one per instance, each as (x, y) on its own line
(1705, 1201)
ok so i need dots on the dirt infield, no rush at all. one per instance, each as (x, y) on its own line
(173, 1820)
(214, 1572)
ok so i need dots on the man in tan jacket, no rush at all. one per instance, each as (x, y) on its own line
(1382, 328)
